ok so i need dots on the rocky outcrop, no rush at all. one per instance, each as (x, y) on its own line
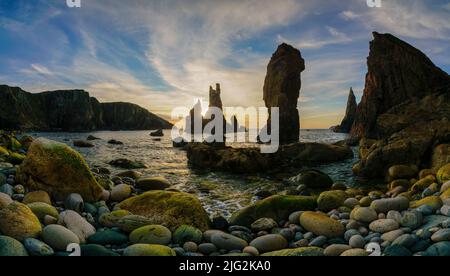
(397, 72)
(405, 106)
(350, 114)
(251, 160)
(71, 110)
(282, 89)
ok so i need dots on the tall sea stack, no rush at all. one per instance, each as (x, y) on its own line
(282, 89)
(397, 72)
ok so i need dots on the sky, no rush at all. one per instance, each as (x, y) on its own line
(162, 54)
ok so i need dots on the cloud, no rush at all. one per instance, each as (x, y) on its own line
(314, 41)
(41, 69)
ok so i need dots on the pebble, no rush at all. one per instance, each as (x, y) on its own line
(207, 248)
(74, 202)
(351, 203)
(190, 247)
(350, 233)
(228, 242)
(385, 205)
(364, 214)
(268, 243)
(445, 210)
(38, 248)
(384, 225)
(59, 237)
(318, 242)
(120, 192)
(335, 250)
(406, 240)
(441, 235)
(251, 250)
(77, 224)
(264, 224)
(357, 241)
(151, 234)
(294, 218)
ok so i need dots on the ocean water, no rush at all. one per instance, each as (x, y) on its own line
(220, 193)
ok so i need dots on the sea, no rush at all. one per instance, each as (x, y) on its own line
(220, 193)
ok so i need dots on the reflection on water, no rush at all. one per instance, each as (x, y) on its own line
(219, 192)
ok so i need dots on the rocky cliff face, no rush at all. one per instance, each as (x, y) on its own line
(350, 114)
(397, 72)
(282, 89)
(72, 110)
(406, 106)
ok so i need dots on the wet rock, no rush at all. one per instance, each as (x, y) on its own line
(321, 225)
(59, 237)
(82, 144)
(330, 200)
(384, 225)
(38, 248)
(227, 241)
(10, 247)
(264, 224)
(77, 224)
(186, 233)
(151, 234)
(19, 222)
(385, 205)
(153, 183)
(269, 243)
(37, 196)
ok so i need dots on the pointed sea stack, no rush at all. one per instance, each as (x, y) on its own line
(397, 72)
(282, 89)
(350, 113)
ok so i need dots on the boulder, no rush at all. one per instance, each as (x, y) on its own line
(170, 209)
(276, 207)
(10, 247)
(313, 179)
(59, 237)
(443, 174)
(153, 183)
(77, 224)
(151, 234)
(330, 200)
(19, 222)
(59, 170)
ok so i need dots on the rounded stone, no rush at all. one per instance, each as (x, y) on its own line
(411, 219)
(38, 248)
(397, 251)
(336, 250)
(439, 249)
(227, 241)
(77, 224)
(441, 235)
(19, 222)
(264, 224)
(392, 235)
(41, 210)
(355, 252)
(120, 192)
(149, 250)
(384, 225)
(153, 183)
(151, 234)
(351, 203)
(37, 196)
(318, 242)
(59, 237)
(207, 248)
(357, 241)
(330, 200)
(385, 205)
(402, 171)
(321, 225)
(190, 247)
(269, 243)
(434, 202)
(74, 202)
(5, 200)
(251, 250)
(10, 247)
(186, 233)
(364, 214)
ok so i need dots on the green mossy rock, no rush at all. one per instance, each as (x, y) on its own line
(130, 223)
(321, 225)
(297, 252)
(151, 234)
(16, 158)
(19, 222)
(277, 207)
(330, 200)
(3, 152)
(443, 174)
(150, 250)
(434, 202)
(111, 219)
(171, 209)
(59, 170)
(313, 179)
(37, 196)
(187, 233)
(10, 247)
(41, 210)
(153, 183)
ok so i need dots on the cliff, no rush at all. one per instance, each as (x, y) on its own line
(350, 114)
(70, 110)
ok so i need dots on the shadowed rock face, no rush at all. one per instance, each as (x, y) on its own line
(71, 110)
(282, 89)
(397, 72)
(350, 114)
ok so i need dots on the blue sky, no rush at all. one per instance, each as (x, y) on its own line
(164, 54)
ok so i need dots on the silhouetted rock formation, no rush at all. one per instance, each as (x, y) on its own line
(282, 89)
(406, 105)
(71, 110)
(350, 113)
(397, 72)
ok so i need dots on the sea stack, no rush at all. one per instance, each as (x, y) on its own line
(397, 72)
(350, 113)
(282, 89)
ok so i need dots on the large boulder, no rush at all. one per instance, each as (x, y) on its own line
(59, 170)
(170, 209)
(277, 207)
(19, 222)
(282, 90)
